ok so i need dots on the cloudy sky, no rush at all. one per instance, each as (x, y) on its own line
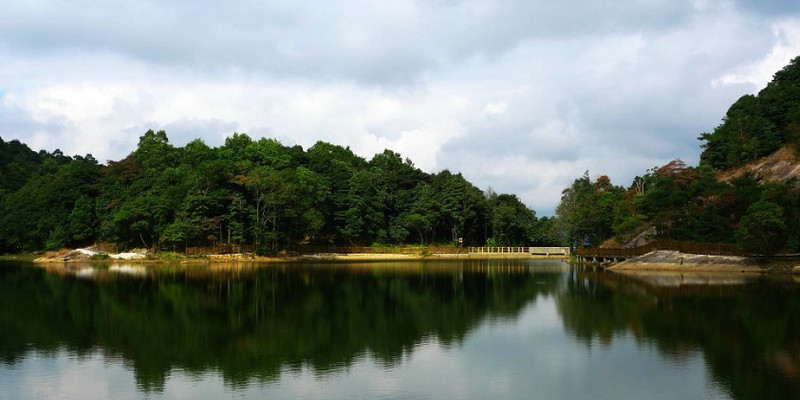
(520, 96)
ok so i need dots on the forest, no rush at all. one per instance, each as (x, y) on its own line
(276, 197)
(699, 203)
(255, 192)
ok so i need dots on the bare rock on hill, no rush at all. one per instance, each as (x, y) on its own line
(776, 167)
(643, 238)
(674, 260)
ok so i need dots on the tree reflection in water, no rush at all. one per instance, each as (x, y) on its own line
(748, 329)
(252, 323)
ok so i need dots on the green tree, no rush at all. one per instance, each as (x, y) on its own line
(575, 211)
(335, 165)
(154, 151)
(763, 229)
(512, 222)
(82, 219)
(363, 217)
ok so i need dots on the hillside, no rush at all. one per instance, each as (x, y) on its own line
(742, 192)
(756, 126)
(779, 166)
(258, 193)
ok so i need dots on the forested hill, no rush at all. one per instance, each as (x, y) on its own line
(247, 191)
(756, 126)
(729, 197)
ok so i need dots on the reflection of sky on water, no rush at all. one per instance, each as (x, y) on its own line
(531, 357)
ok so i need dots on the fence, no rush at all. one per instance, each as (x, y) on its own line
(220, 249)
(410, 250)
(520, 250)
(498, 250)
(722, 249)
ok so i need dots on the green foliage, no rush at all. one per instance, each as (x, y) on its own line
(755, 126)
(763, 229)
(82, 221)
(44, 210)
(244, 192)
(256, 324)
(683, 203)
(512, 222)
(588, 208)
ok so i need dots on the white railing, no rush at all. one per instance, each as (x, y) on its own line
(520, 250)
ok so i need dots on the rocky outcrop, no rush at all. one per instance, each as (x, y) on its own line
(777, 167)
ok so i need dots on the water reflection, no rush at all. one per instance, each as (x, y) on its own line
(448, 329)
(747, 328)
(252, 323)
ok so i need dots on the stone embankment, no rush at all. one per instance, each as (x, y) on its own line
(664, 260)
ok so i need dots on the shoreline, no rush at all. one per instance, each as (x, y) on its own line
(234, 258)
(674, 261)
(659, 261)
(697, 267)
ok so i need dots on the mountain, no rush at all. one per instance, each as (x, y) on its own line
(756, 126)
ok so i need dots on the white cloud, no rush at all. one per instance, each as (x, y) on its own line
(495, 108)
(520, 96)
(760, 72)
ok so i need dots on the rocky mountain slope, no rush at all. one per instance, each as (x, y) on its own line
(777, 167)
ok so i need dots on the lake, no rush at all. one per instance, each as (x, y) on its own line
(476, 329)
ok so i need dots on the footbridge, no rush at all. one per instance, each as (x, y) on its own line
(534, 251)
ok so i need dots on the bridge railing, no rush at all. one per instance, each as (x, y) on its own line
(722, 249)
(498, 250)
(549, 250)
(520, 250)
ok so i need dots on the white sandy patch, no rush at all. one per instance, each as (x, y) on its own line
(127, 256)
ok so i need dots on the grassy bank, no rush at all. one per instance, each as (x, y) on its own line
(28, 257)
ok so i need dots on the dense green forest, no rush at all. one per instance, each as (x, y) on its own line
(275, 197)
(691, 203)
(247, 191)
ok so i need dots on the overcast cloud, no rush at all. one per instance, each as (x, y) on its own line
(520, 96)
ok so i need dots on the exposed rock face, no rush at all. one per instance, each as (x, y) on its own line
(643, 238)
(776, 167)
(676, 261)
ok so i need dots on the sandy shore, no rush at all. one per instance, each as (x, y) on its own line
(77, 257)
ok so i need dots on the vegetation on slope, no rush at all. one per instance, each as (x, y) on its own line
(256, 192)
(721, 200)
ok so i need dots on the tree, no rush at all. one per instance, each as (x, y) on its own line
(154, 151)
(363, 216)
(335, 165)
(575, 211)
(762, 229)
(512, 222)
(461, 207)
(82, 219)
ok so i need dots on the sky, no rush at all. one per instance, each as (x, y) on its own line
(522, 96)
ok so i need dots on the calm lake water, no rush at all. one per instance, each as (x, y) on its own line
(495, 329)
